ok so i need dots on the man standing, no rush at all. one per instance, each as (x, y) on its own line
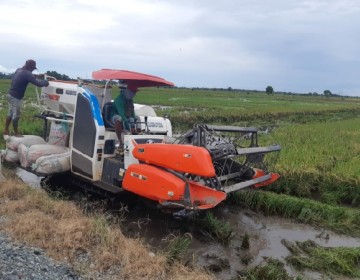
(123, 113)
(22, 77)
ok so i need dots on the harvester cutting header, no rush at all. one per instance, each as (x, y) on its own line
(194, 171)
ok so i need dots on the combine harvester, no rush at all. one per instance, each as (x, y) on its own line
(195, 171)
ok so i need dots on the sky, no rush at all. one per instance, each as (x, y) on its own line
(297, 46)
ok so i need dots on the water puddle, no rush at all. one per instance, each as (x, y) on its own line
(265, 236)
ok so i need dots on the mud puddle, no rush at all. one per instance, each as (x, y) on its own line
(227, 262)
(265, 239)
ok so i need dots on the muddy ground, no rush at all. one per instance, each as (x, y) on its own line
(266, 235)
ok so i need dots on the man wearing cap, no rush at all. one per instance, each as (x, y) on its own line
(123, 113)
(22, 77)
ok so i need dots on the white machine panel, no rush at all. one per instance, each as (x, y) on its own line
(130, 141)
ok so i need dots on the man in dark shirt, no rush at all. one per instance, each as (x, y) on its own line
(22, 77)
(123, 113)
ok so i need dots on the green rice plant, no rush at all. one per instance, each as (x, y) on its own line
(328, 188)
(28, 123)
(177, 248)
(319, 160)
(240, 101)
(187, 106)
(339, 219)
(323, 147)
(272, 270)
(220, 230)
(338, 261)
(4, 86)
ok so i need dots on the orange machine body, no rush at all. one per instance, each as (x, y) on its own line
(259, 173)
(153, 183)
(182, 158)
(203, 197)
(164, 187)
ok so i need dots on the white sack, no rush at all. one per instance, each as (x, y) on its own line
(58, 134)
(52, 163)
(10, 155)
(12, 142)
(36, 151)
(23, 151)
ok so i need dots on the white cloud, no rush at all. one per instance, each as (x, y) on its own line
(297, 46)
(6, 70)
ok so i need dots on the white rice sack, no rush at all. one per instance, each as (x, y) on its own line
(36, 151)
(10, 155)
(23, 151)
(58, 134)
(12, 142)
(52, 163)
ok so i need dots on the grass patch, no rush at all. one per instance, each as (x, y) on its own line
(219, 230)
(337, 261)
(177, 248)
(61, 228)
(339, 219)
(328, 188)
(272, 270)
(307, 148)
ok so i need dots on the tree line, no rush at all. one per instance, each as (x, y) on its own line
(269, 89)
(54, 74)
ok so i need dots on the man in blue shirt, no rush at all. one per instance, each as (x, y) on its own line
(22, 77)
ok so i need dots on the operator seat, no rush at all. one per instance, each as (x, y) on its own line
(107, 115)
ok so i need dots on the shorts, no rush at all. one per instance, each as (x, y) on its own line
(130, 121)
(116, 118)
(14, 107)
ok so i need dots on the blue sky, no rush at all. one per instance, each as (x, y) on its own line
(294, 46)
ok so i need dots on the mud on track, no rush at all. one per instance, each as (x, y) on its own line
(139, 219)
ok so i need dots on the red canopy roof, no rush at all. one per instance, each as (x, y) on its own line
(132, 79)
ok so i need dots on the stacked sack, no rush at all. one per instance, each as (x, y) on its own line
(44, 158)
(10, 154)
(58, 134)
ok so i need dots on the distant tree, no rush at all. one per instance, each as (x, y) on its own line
(58, 76)
(327, 93)
(229, 89)
(54, 74)
(269, 90)
(6, 76)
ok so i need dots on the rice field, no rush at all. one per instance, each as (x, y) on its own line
(319, 161)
